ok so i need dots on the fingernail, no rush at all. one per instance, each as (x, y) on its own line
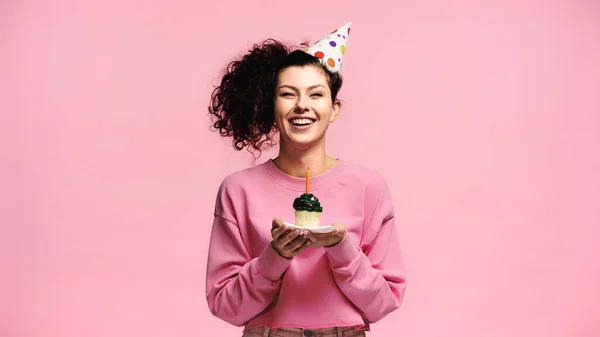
(296, 232)
(308, 243)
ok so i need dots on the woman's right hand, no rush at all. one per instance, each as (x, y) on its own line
(287, 242)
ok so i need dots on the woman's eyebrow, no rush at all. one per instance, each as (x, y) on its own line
(296, 89)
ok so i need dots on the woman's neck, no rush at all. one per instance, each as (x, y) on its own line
(295, 162)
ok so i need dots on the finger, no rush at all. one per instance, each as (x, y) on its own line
(339, 227)
(312, 237)
(284, 239)
(289, 237)
(280, 234)
(295, 244)
(278, 228)
(276, 223)
(302, 248)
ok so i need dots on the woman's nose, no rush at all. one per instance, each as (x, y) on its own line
(302, 104)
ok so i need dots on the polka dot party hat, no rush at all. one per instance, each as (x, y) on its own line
(331, 49)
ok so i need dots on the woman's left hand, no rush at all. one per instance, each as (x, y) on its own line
(327, 239)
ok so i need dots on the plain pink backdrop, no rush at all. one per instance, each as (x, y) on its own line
(483, 116)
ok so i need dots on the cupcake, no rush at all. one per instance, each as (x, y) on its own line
(307, 210)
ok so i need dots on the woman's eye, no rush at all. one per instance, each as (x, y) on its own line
(318, 94)
(286, 94)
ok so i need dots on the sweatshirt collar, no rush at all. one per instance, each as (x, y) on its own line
(299, 183)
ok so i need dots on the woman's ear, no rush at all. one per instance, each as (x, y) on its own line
(335, 111)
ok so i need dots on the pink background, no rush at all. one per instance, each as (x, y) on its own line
(485, 118)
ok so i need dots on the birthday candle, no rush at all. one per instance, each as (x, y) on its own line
(308, 181)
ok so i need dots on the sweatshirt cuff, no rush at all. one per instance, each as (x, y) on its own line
(270, 264)
(342, 254)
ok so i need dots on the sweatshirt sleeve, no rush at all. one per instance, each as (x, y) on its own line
(238, 287)
(372, 274)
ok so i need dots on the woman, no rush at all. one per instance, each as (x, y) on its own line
(263, 275)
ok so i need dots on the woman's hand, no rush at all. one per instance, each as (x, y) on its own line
(328, 239)
(288, 243)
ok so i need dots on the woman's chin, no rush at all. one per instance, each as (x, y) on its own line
(302, 142)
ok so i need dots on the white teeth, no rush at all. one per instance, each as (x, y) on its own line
(301, 121)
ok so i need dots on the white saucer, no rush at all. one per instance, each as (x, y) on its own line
(323, 229)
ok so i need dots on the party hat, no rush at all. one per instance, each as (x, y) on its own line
(331, 49)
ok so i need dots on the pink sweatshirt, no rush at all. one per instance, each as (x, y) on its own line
(356, 282)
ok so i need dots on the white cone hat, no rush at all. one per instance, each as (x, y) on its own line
(331, 49)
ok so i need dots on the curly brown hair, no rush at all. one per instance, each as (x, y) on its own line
(241, 106)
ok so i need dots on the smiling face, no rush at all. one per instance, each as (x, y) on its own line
(303, 106)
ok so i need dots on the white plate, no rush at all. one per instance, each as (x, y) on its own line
(323, 229)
